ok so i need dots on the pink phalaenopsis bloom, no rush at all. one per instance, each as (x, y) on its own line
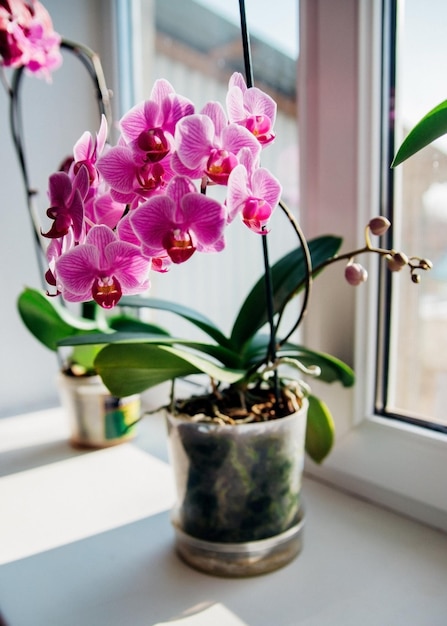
(67, 203)
(150, 125)
(253, 192)
(132, 179)
(179, 222)
(88, 149)
(251, 108)
(207, 145)
(27, 37)
(55, 249)
(139, 166)
(103, 268)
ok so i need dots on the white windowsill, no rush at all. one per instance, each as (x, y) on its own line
(95, 547)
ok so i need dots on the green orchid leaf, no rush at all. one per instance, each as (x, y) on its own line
(432, 126)
(48, 321)
(196, 318)
(227, 357)
(132, 368)
(125, 323)
(85, 356)
(288, 277)
(319, 430)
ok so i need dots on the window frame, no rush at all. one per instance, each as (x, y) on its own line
(393, 463)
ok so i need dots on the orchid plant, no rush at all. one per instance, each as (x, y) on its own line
(117, 213)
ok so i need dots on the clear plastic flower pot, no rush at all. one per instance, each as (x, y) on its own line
(238, 510)
(97, 419)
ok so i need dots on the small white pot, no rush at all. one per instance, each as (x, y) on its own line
(97, 419)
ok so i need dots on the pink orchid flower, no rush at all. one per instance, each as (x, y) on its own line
(67, 203)
(139, 166)
(27, 37)
(126, 232)
(55, 249)
(208, 146)
(150, 123)
(101, 208)
(252, 108)
(87, 150)
(148, 127)
(103, 268)
(132, 179)
(179, 222)
(254, 193)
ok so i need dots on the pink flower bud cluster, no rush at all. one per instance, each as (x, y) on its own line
(27, 37)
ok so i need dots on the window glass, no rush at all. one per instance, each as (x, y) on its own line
(417, 340)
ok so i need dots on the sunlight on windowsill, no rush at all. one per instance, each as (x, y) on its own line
(71, 499)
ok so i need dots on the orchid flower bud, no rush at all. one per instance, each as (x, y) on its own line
(379, 225)
(355, 274)
(396, 261)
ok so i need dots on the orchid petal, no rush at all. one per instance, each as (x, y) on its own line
(129, 266)
(141, 117)
(161, 90)
(118, 168)
(266, 186)
(107, 211)
(237, 80)
(216, 113)
(182, 170)
(235, 105)
(126, 232)
(151, 220)
(194, 137)
(259, 103)
(83, 148)
(204, 216)
(100, 237)
(235, 138)
(81, 181)
(76, 270)
(178, 187)
(59, 188)
(237, 191)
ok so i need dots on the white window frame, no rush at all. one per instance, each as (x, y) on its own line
(392, 463)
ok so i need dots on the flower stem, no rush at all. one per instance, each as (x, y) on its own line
(271, 355)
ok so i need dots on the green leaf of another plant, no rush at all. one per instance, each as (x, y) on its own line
(47, 320)
(430, 127)
(319, 431)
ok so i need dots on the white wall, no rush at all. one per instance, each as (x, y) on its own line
(54, 116)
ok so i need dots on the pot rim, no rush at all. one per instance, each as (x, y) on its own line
(183, 418)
